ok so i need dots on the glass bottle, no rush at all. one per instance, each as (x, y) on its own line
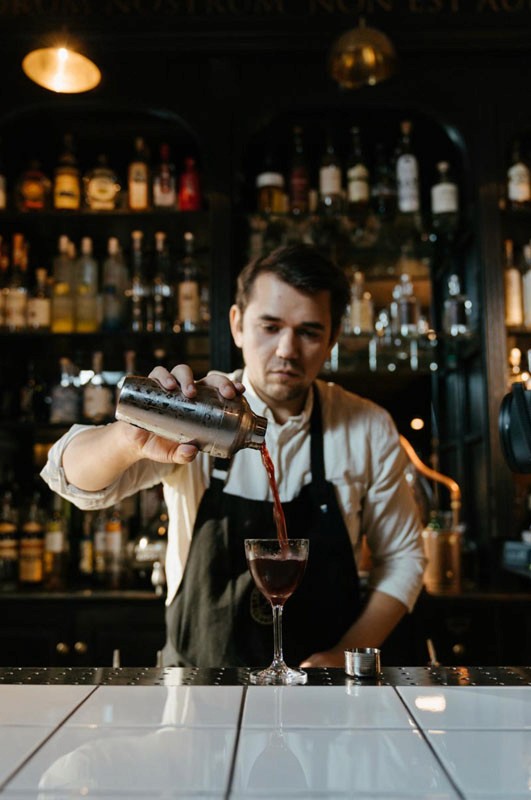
(114, 549)
(408, 308)
(383, 190)
(361, 306)
(31, 555)
(456, 309)
(270, 195)
(9, 543)
(138, 292)
(139, 178)
(101, 186)
(114, 285)
(189, 187)
(99, 536)
(330, 194)
(16, 295)
(33, 189)
(164, 180)
(444, 201)
(98, 396)
(161, 288)
(56, 547)
(299, 178)
(85, 564)
(518, 180)
(188, 289)
(526, 284)
(512, 277)
(87, 299)
(39, 312)
(67, 179)
(129, 369)
(358, 188)
(63, 288)
(65, 406)
(407, 173)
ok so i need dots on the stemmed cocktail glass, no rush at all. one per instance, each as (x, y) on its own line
(277, 568)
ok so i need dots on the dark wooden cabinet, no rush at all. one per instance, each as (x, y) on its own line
(81, 629)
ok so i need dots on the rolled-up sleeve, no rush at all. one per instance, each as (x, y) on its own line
(141, 475)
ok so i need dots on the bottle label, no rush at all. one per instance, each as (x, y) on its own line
(55, 541)
(101, 193)
(358, 184)
(299, 189)
(164, 189)
(513, 297)
(39, 312)
(407, 175)
(62, 311)
(330, 180)
(86, 557)
(138, 187)
(67, 192)
(31, 563)
(444, 198)
(16, 302)
(8, 549)
(98, 402)
(113, 538)
(32, 195)
(65, 405)
(519, 183)
(188, 299)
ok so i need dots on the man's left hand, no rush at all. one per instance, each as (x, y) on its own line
(328, 658)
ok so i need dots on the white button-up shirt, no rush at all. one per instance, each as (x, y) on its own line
(363, 459)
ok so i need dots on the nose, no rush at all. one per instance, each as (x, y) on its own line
(287, 347)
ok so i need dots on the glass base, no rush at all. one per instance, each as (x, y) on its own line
(278, 675)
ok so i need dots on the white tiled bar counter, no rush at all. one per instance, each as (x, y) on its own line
(154, 734)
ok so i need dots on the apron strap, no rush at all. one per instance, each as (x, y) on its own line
(317, 452)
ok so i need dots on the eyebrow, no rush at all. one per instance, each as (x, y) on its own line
(318, 326)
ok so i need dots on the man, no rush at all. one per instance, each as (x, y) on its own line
(339, 466)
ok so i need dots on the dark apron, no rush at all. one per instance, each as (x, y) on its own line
(219, 619)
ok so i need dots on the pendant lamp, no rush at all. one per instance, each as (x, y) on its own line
(61, 69)
(362, 57)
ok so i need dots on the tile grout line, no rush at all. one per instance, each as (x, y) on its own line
(420, 729)
(236, 745)
(52, 733)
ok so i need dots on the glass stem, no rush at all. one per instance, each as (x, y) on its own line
(278, 656)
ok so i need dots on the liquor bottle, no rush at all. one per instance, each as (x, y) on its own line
(9, 543)
(65, 405)
(270, 195)
(129, 369)
(114, 549)
(31, 554)
(164, 181)
(16, 295)
(63, 288)
(99, 536)
(383, 190)
(444, 201)
(299, 178)
(512, 278)
(188, 290)
(456, 309)
(138, 292)
(161, 289)
(101, 186)
(98, 396)
(408, 308)
(67, 179)
(3, 183)
(330, 194)
(518, 180)
(33, 189)
(87, 301)
(86, 550)
(115, 284)
(39, 310)
(361, 306)
(139, 178)
(526, 284)
(56, 547)
(358, 188)
(189, 187)
(407, 173)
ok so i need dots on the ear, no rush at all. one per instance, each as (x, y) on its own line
(236, 320)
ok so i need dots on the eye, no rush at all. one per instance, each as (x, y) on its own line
(310, 334)
(270, 327)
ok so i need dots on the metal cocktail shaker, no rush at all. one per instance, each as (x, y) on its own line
(212, 423)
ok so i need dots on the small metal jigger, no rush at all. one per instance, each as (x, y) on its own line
(363, 662)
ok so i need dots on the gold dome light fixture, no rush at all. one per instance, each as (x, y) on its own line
(362, 57)
(61, 68)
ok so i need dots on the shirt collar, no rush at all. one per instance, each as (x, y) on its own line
(260, 407)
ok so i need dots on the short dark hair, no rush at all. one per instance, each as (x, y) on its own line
(305, 268)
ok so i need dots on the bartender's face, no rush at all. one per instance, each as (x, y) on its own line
(285, 337)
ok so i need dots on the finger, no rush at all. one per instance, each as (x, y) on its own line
(223, 384)
(162, 376)
(185, 378)
(186, 453)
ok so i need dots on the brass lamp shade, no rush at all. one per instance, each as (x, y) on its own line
(361, 57)
(61, 70)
